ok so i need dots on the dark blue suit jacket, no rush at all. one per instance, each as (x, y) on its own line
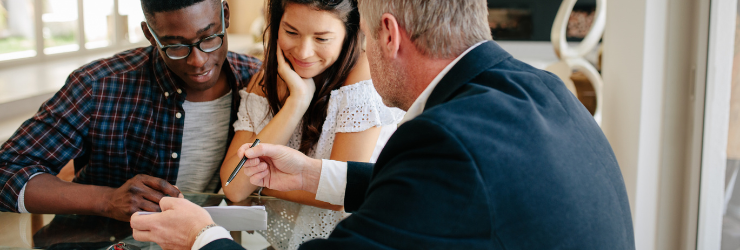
(503, 157)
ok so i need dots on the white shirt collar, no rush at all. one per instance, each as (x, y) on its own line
(418, 106)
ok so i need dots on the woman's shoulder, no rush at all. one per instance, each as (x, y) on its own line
(254, 87)
(358, 85)
(360, 73)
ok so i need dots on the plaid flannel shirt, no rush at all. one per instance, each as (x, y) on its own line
(116, 117)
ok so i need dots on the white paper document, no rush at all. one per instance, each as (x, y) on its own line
(236, 218)
(239, 218)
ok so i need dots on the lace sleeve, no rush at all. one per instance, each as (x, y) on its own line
(359, 107)
(253, 113)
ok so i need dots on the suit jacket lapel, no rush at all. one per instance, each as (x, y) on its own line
(471, 65)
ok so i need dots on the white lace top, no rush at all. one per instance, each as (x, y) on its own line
(352, 108)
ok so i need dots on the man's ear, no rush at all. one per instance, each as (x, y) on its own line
(389, 36)
(227, 13)
(148, 34)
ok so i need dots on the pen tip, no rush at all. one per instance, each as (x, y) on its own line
(227, 184)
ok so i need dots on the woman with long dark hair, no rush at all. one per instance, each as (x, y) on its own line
(314, 94)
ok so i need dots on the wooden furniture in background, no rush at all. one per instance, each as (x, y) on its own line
(584, 91)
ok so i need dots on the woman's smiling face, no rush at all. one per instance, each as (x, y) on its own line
(310, 39)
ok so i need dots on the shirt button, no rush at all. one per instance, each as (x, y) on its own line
(179, 91)
(178, 115)
(174, 155)
(166, 94)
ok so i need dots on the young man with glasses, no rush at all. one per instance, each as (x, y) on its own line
(135, 124)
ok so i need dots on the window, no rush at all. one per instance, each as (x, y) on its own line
(719, 142)
(17, 37)
(731, 220)
(130, 11)
(33, 29)
(99, 23)
(60, 26)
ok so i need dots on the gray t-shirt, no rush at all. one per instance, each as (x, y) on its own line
(203, 144)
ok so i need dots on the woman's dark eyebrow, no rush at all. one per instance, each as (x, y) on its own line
(317, 33)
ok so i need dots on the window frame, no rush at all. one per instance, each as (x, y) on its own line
(720, 34)
(118, 43)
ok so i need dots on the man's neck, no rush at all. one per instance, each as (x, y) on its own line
(217, 91)
(420, 73)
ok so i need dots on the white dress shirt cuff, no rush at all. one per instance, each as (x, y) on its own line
(22, 196)
(333, 182)
(209, 236)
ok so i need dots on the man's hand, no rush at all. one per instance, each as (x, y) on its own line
(281, 168)
(175, 228)
(141, 193)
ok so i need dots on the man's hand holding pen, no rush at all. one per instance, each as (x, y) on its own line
(281, 168)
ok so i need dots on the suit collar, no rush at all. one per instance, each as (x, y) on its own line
(471, 65)
(419, 104)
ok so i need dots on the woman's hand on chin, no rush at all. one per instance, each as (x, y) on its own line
(301, 90)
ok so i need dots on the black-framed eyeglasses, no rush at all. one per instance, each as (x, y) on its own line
(207, 45)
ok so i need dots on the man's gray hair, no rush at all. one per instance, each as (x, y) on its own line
(438, 28)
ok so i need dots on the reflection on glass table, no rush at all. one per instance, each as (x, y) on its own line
(26, 231)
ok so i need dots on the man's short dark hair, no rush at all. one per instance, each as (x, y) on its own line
(153, 6)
